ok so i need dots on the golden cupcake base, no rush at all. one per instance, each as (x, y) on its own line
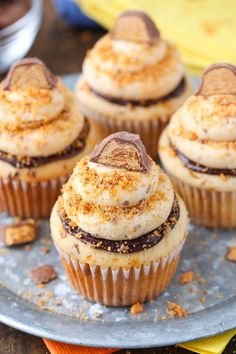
(29, 199)
(208, 208)
(122, 286)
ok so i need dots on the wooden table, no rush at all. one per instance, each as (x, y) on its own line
(63, 49)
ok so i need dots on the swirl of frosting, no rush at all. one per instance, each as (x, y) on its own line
(39, 116)
(204, 128)
(119, 192)
(131, 67)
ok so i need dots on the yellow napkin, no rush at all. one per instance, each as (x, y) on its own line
(204, 31)
(211, 345)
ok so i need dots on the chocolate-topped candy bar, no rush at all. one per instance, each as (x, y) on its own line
(135, 26)
(122, 150)
(29, 72)
(218, 79)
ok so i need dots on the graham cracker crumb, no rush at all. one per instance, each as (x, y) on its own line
(231, 254)
(175, 310)
(186, 277)
(136, 308)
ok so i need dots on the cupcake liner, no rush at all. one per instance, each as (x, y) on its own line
(29, 199)
(149, 131)
(121, 286)
(208, 208)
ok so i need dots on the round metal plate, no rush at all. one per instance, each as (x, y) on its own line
(211, 304)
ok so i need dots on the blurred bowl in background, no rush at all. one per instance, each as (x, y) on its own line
(17, 39)
(72, 14)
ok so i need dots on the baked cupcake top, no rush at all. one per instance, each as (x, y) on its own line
(118, 199)
(39, 117)
(203, 131)
(134, 63)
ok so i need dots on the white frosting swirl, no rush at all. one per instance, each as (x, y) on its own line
(36, 122)
(105, 213)
(22, 107)
(130, 70)
(204, 130)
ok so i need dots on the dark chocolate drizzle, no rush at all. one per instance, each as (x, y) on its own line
(203, 169)
(30, 162)
(124, 246)
(145, 103)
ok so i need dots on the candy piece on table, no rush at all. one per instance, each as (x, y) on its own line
(20, 232)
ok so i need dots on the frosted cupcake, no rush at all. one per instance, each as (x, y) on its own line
(42, 136)
(118, 226)
(133, 80)
(198, 149)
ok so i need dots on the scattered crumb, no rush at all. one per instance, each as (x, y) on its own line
(27, 248)
(42, 303)
(3, 250)
(213, 236)
(189, 276)
(58, 302)
(45, 241)
(45, 250)
(163, 318)
(231, 254)
(202, 299)
(97, 314)
(186, 277)
(48, 294)
(175, 310)
(41, 286)
(199, 279)
(43, 274)
(136, 308)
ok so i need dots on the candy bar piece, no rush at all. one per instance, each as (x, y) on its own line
(43, 274)
(21, 232)
(218, 79)
(29, 73)
(135, 26)
(122, 150)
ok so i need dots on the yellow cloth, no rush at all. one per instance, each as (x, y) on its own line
(211, 345)
(204, 31)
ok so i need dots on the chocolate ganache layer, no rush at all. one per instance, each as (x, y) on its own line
(124, 246)
(30, 162)
(145, 103)
(203, 169)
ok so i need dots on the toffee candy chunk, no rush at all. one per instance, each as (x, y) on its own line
(19, 233)
(135, 26)
(29, 72)
(218, 79)
(43, 274)
(122, 150)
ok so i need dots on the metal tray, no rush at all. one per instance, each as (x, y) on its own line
(211, 304)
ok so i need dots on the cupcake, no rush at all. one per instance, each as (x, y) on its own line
(118, 226)
(42, 136)
(198, 149)
(133, 80)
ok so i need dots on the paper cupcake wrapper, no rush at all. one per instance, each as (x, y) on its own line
(121, 286)
(149, 131)
(29, 199)
(208, 208)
